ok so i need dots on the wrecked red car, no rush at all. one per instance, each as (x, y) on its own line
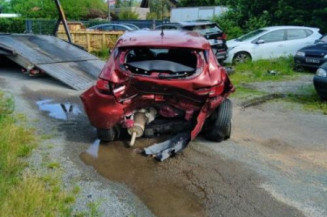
(157, 83)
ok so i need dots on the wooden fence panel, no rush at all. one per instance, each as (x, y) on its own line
(93, 40)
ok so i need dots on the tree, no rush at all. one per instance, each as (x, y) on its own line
(77, 9)
(158, 9)
(249, 15)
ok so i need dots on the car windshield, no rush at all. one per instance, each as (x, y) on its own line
(132, 26)
(204, 29)
(161, 62)
(250, 35)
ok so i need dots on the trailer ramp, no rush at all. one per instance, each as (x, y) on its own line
(57, 58)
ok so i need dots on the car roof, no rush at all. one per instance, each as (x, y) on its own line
(195, 23)
(288, 27)
(110, 24)
(188, 23)
(171, 38)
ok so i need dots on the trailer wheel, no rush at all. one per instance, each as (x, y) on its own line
(106, 135)
(219, 124)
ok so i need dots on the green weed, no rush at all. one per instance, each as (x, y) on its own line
(53, 165)
(257, 71)
(24, 193)
(103, 54)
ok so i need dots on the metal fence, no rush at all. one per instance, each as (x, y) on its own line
(46, 27)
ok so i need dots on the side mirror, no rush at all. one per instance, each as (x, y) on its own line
(260, 41)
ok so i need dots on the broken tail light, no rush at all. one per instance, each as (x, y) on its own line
(118, 89)
(103, 86)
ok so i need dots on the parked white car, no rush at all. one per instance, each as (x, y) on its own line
(270, 42)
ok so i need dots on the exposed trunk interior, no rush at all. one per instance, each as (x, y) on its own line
(162, 62)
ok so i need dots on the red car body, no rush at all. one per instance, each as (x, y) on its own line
(119, 92)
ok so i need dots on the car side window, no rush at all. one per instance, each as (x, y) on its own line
(107, 28)
(293, 34)
(273, 36)
(120, 28)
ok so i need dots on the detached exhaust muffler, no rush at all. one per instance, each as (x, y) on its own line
(141, 118)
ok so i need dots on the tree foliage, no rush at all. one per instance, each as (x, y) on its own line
(77, 9)
(127, 14)
(245, 15)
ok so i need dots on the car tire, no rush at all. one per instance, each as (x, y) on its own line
(241, 57)
(106, 135)
(219, 124)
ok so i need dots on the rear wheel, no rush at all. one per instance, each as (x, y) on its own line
(241, 57)
(106, 135)
(219, 124)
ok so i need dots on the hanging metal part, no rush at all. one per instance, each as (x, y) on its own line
(138, 128)
(162, 151)
(140, 119)
(62, 18)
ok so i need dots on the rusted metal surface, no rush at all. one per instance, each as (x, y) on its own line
(57, 58)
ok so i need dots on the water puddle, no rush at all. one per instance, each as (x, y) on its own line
(60, 111)
(147, 178)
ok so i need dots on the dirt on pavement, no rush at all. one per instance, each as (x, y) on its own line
(274, 164)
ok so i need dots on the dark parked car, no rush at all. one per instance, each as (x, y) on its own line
(312, 56)
(154, 85)
(211, 31)
(114, 27)
(320, 81)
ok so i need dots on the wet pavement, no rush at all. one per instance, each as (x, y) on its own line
(61, 111)
(232, 178)
(143, 175)
(196, 182)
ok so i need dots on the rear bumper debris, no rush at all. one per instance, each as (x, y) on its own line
(162, 151)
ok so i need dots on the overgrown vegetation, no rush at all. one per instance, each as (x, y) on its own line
(128, 14)
(103, 54)
(264, 70)
(22, 191)
(245, 16)
(274, 70)
(16, 25)
(77, 9)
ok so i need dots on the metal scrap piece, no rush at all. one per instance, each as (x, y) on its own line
(170, 147)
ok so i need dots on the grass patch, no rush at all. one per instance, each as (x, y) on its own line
(53, 165)
(257, 71)
(103, 54)
(309, 99)
(24, 193)
(245, 93)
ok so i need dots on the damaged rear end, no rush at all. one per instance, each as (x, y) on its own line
(154, 89)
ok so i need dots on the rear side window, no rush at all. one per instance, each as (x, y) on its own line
(273, 36)
(204, 29)
(293, 34)
(323, 39)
